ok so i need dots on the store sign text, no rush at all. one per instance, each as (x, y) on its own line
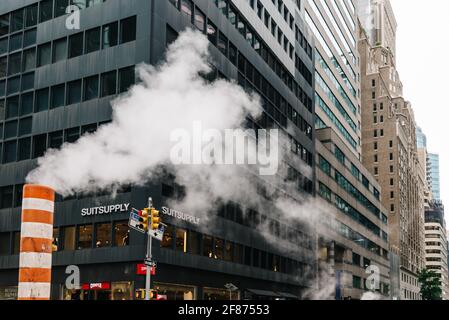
(109, 209)
(180, 215)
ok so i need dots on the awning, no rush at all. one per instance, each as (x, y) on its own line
(288, 295)
(263, 293)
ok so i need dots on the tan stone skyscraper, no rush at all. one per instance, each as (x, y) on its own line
(389, 149)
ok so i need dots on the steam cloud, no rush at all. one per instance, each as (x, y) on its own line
(133, 147)
(129, 149)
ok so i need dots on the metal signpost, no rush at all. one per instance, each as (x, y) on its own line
(147, 221)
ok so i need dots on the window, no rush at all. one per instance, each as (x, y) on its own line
(110, 35)
(15, 42)
(108, 83)
(167, 239)
(6, 197)
(15, 63)
(223, 44)
(26, 103)
(218, 248)
(13, 85)
(187, 8)
(4, 24)
(28, 81)
(9, 151)
(228, 254)
(85, 237)
(103, 234)
(72, 135)
(121, 234)
(69, 238)
(3, 45)
(200, 20)
(92, 40)
(3, 65)
(12, 107)
(17, 20)
(11, 129)
(55, 139)
(207, 246)
(60, 7)
(74, 92)
(29, 38)
(126, 78)
(5, 239)
(24, 152)
(194, 242)
(59, 50)
(212, 33)
(25, 126)
(57, 96)
(46, 10)
(181, 240)
(29, 60)
(128, 30)
(39, 145)
(81, 4)
(44, 54)
(90, 88)
(76, 45)
(41, 100)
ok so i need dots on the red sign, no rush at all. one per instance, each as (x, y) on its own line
(142, 270)
(96, 286)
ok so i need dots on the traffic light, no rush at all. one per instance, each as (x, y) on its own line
(144, 216)
(155, 219)
(140, 294)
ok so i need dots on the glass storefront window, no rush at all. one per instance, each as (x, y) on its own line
(194, 242)
(181, 240)
(121, 237)
(218, 248)
(174, 292)
(207, 246)
(85, 237)
(228, 251)
(219, 294)
(122, 290)
(167, 239)
(104, 235)
(69, 238)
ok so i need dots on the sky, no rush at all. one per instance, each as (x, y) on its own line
(423, 65)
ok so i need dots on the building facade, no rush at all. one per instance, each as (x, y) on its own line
(433, 175)
(436, 244)
(56, 84)
(359, 237)
(389, 147)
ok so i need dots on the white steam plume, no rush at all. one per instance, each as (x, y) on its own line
(129, 149)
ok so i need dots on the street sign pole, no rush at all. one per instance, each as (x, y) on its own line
(148, 257)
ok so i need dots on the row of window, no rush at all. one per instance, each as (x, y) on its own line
(326, 193)
(17, 41)
(326, 167)
(39, 12)
(69, 47)
(89, 236)
(92, 87)
(251, 219)
(341, 157)
(191, 242)
(198, 19)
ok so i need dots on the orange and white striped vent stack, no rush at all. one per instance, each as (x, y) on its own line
(36, 239)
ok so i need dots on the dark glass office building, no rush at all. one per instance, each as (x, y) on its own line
(56, 84)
